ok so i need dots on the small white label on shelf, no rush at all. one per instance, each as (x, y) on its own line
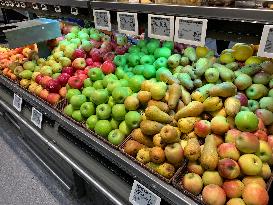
(190, 31)
(44, 7)
(127, 23)
(266, 43)
(102, 19)
(161, 27)
(140, 195)
(58, 9)
(74, 11)
(17, 102)
(36, 117)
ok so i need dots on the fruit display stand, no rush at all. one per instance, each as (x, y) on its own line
(72, 151)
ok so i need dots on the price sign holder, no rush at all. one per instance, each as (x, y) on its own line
(102, 19)
(140, 195)
(161, 27)
(190, 31)
(266, 43)
(127, 23)
(17, 102)
(36, 117)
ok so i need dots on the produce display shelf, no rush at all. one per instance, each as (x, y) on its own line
(220, 13)
(161, 188)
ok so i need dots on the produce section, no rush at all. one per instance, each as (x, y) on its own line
(182, 120)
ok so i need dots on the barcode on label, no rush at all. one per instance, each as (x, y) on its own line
(127, 23)
(36, 117)
(266, 43)
(140, 195)
(190, 31)
(160, 27)
(17, 102)
(102, 19)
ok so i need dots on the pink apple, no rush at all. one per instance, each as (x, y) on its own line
(75, 82)
(228, 150)
(261, 135)
(120, 50)
(109, 56)
(202, 128)
(63, 79)
(79, 53)
(228, 168)
(89, 61)
(53, 86)
(270, 141)
(214, 195)
(255, 194)
(108, 67)
(96, 44)
(242, 97)
(261, 125)
(96, 65)
(106, 47)
(231, 135)
(82, 77)
(87, 68)
(233, 188)
(39, 78)
(78, 72)
(68, 70)
(79, 63)
(53, 98)
(95, 54)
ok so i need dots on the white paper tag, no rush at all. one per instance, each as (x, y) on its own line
(190, 31)
(266, 43)
(140, 195)
(74, 11)
(17, 102)
(58, 9)
(161, 27)
(36, 117)
(127, 23)
(102, 19)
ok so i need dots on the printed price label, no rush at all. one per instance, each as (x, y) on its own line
(190, 31)
(140, 195)
(102, 19)
(161, 27)
(36, 117)
(266, 43)
(17, 102)
(127, 23)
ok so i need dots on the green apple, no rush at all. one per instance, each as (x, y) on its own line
(124, 128)
(91, 122)
(98, 84)
(119, 112)
(243, 81)
(95, 74)
(134, 49)
(168, 44)
(270, 93)
(138, 69)
(147, 59)
(57, 55)
(72, 92)
(133, 59)
(69, 50)
(116, 137)
(256, 91)
(120, 94)
(152, 46)
(57, 68)
(120, 60)
(253, 105)
(114, 123)
(112, 85)
(95, 36)
(46, 70)
(68, 110)
(246, 121)
(161, 62)
(88, 91)
(149, 71)
(87, 83)
(99, 96)
(77, 100)
(76, 41)
(250, 164)
(86, 45)
(103, 128)
(124, 82)
(70, 36)
(132, 119)
(75, 29)
(65, 62)
(87, 109)
(174, 60)
(83, 36)
(120, 73)
(108, 78)
(162, 52)
(135, 82)
(141, 43)
(76, 115)
(160, 71)
(103, 111)
(267, 103)
(265, 151)
(111, 101)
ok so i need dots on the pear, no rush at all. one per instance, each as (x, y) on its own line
(154, 113)
(161, 105)
(209, 156)
(132, 147)
(174, 95)
(192, 150)
(138, 136)
(166, 170)
(169, 134)
(149, 127)
(144, 97)
(143, 155)
(157, 155)
(158, 142)
(193, 109)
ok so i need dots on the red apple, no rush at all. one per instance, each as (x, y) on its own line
(79, 63)
(255, 194)
(53, 98)
(63, 79)
(213, 194)
(43, 94)
(95, 54)
(78, 72)
(242, 97)
(270, 141)
(86, 70)
(53, 86)
(109, 56)
(108, 67)
(45, 80)
(228, 168)
(233, 188)
(231, 135)
(63, 92)
(261, 135)
(68, 70)
(75, 82)
(120, 50)
(96, 44)
(96, 65)
(202, 128)
(228, 150)
(82, 77)
(89, 61)
(79, 53)
(39, 78)
(106, 47)
(261, 125)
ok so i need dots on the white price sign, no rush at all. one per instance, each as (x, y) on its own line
(17, 102)
(36, 117)
(161, 27)
(127, 23)
(266, 43)
(190, 31)
(140, 195)
(102, 19)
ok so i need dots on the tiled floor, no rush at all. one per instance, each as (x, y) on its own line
(23, 181)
